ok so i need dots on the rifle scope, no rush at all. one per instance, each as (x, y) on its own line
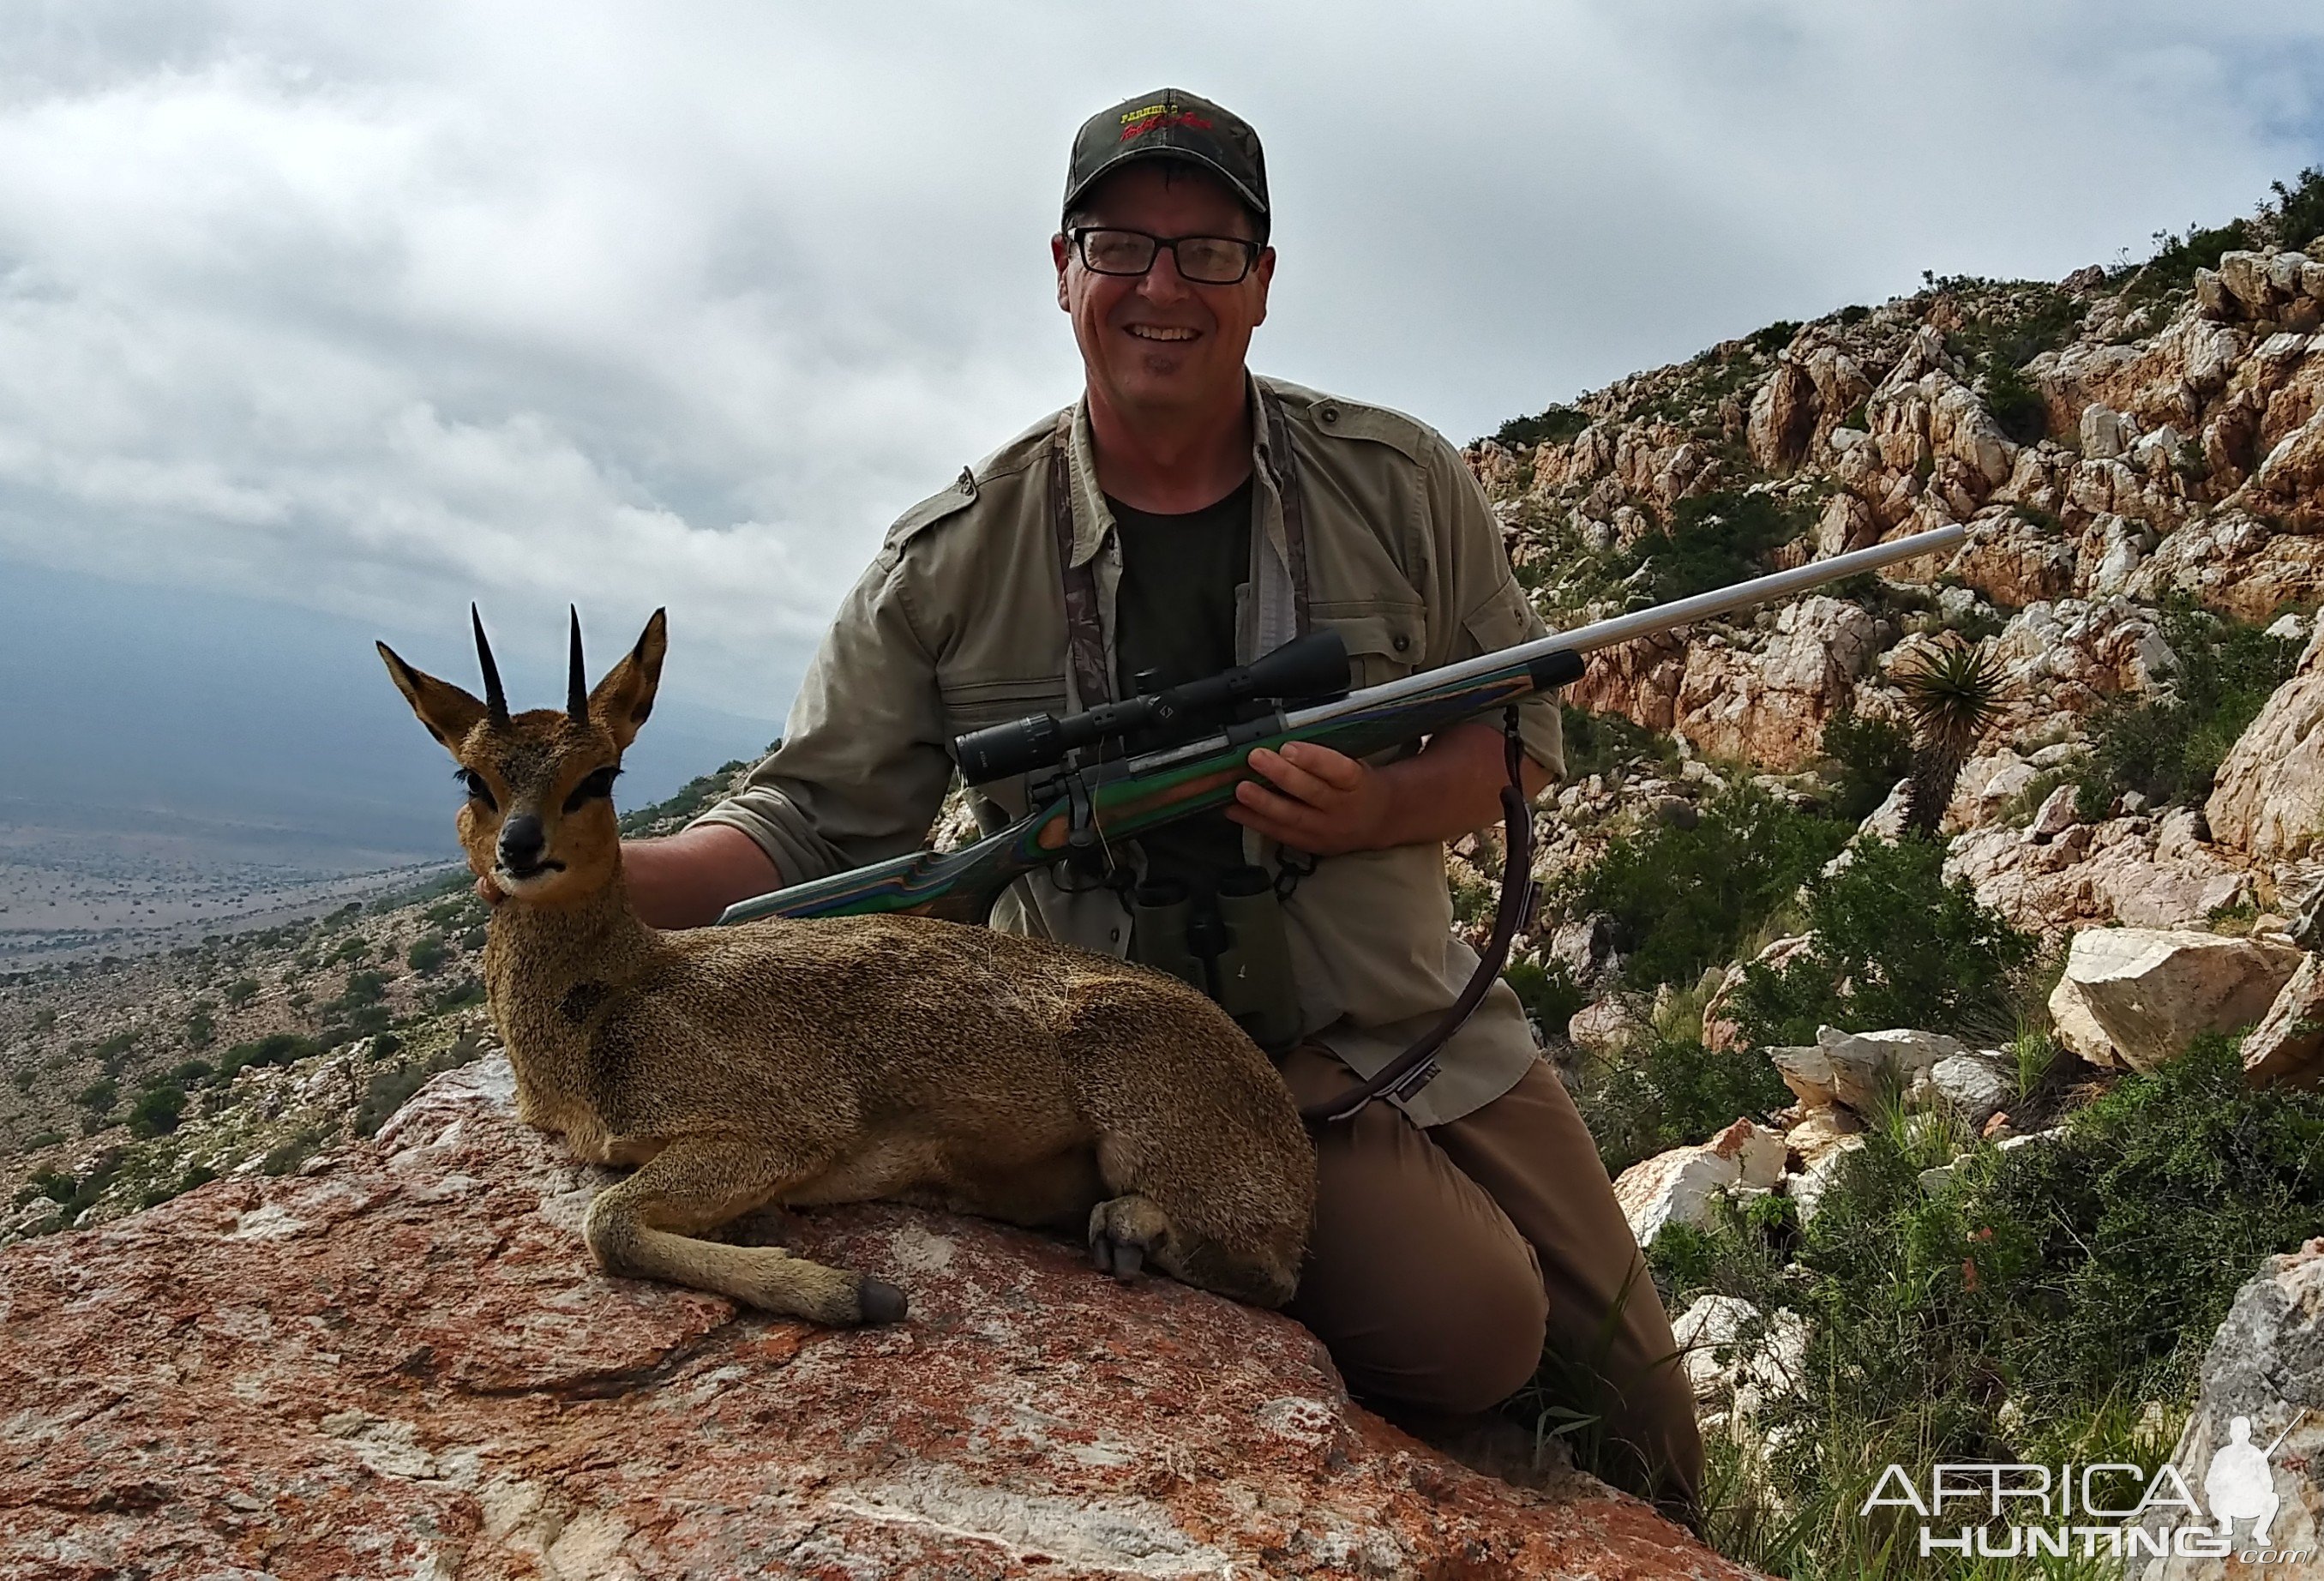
(1314, 666)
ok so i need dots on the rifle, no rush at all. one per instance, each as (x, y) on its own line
(1081, 799)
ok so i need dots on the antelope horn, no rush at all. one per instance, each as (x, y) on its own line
(576, 688)
(495, 697)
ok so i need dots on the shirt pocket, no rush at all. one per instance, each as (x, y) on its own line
(1385, 641)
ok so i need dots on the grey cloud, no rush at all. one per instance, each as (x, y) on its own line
(682, 304)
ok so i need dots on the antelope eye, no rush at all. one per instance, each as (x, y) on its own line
(473, 783)
(599, 784)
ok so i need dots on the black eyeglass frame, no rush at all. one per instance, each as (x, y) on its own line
(1079, 236)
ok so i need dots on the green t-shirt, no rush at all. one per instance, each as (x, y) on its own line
(1174, 613)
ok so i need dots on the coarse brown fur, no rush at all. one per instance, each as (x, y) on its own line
(796, 1062)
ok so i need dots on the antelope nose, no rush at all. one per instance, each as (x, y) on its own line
(521, 843)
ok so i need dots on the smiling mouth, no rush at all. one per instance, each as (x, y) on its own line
(1162, 332)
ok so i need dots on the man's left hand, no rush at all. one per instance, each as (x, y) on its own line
(1315, 799)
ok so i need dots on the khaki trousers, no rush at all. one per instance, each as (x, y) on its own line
(1448, 1266)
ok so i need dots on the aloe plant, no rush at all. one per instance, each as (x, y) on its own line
(1952, 695)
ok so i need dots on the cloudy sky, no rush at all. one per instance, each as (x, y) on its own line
(368, 310)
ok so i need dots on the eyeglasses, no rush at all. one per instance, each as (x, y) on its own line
(1204, 260)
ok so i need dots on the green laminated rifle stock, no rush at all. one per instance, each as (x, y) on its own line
(1077, 804)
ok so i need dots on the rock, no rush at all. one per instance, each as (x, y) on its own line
(2233, 563)
(1783, 413)
(2119, 871)
(1973, 1085)
(1854, 1068)
(1807, 1188)
(2137, 996)
(1585, 948)
(408, 1366)
(2268, 797)
(1821, 1130)
(2054, 816)
(1678, 1187)
(1736, 1358)
(2101, 432)
(2265, 1369)
(2287, 1047)
(1605, 1024)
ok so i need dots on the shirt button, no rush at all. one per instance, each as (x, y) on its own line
(1114, 937)
(1401, 641)
(1329, 414)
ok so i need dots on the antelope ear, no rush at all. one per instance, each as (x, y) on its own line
(626, 696)
(448, 712)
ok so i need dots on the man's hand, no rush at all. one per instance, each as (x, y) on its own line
(1326, 803)
(1322, 802)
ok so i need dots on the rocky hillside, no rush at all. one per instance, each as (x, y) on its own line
(1955, 1144)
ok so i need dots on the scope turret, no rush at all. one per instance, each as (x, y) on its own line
(1314, 666)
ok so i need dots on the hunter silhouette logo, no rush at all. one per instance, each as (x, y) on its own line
(2240, 1485)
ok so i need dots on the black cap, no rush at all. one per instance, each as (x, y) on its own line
(1170, 124)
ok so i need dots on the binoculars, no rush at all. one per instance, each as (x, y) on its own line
(1230, 946)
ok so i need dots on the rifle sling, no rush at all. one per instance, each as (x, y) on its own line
(1413, 1069)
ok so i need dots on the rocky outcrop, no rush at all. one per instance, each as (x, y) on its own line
(2146, 873)
(1857, 1068)
(2287, 1047)
(2265, 1371)
(404, 1363)
(1681, 1186)
(2136, 997)
(1760, 696)
(2268, 799)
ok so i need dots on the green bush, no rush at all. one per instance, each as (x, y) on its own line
(1684, 899)
(2073, 1280)
(2168, 747)
(157, 1110)
(2298, 209)
(293, 1151)
(388, 1089)
(1712, 540)
(99, 1095)
(460, 995)
(1870, 755)
(428, 955)
(200, 1029)
(1668, 1091)
(1546, 991)
(43, 1020)
(1774, 337)
(240, 991)
(1895, 946)
(2177, 257)
(1556, 426)
(1599, 744)
(274, 1049)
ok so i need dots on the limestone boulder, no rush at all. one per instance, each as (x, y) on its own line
(405, 1364)
(2266, 1367)
(2287, 1047)
(1818, 1131)
(2268, 797)
(1738, 1358)
(1857, 1068)
(1783, 415)
(1973, 1084)
(2136, 996)
(1808, 1188)
(1681, 1186)
(2233, 563)
(2013, 560)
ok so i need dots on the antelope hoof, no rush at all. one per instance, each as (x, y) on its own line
(1123, 1235)
(879, 1301)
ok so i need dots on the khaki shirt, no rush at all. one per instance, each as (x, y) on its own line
(960, 623)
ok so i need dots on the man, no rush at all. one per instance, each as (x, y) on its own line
(1184, 516)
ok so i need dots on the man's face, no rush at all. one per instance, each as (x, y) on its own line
(1158, 343)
